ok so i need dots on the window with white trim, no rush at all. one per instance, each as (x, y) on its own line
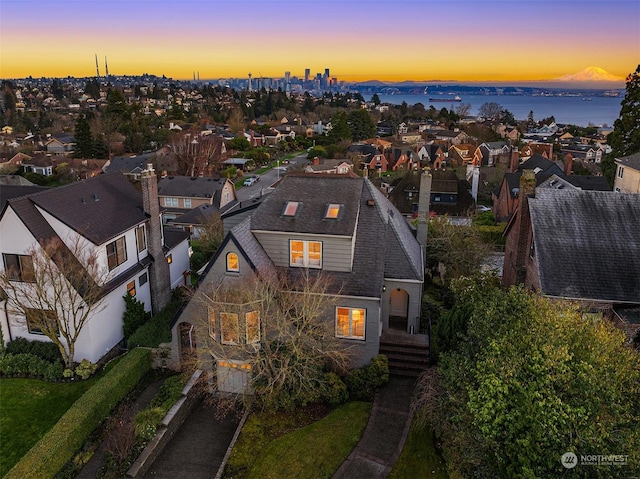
(116, 253)
(171, 202)
(620, 171)
(253, 326)
(212, 324)
(229, 328)
(19, 267)
(350, 323)
(305, 254)
(39, 318)
(141, 238)
(187, 202)
(232, 262)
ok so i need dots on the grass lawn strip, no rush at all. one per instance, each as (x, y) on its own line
(28, 409)
(419, 457)
(317, 450)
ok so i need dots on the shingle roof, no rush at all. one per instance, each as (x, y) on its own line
(251, 248)
(632, 161)
(15, 191)
(188, 186)
(587, 244)
(384, 243)
(314, 195)
(99, 208)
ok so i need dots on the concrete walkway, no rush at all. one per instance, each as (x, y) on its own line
(385, 435)
(198, 448)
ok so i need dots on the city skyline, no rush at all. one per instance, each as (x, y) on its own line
(358, 40)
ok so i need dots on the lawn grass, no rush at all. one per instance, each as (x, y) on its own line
(28, 409)
(316, 451)
(419, 457)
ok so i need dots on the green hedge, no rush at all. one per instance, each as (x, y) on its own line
(492, 234)
(29, 365)
(57, 447)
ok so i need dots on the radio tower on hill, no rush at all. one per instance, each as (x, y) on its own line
(106, 67)
(97, 67)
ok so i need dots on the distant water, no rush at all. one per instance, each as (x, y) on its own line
(573, 110)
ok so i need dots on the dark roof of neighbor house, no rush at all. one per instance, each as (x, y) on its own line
(189, 186)
(129, 164)
(196, 215)
(632, 161)
(586, 244)
(8, 191)
(173, 237)
(99, 208)
(384, 245)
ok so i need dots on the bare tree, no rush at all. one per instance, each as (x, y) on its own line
(55, 288)
(194, 153)
(490, 110)
(463, 109)
(294, 345)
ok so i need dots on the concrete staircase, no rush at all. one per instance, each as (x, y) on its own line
(406, 358)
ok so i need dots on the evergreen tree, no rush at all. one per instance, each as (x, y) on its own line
(625, 138)
(361, 125)
(84, 140)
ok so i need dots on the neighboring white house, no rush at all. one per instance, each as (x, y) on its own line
(107, 215)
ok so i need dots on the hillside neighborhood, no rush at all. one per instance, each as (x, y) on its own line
(283, 250)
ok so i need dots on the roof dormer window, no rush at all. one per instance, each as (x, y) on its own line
(333, 211)
(290, 208)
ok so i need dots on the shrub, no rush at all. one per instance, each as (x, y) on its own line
(158, 329)
(43, 349)
(58, 445)
(147, 422)
(169, 393)
(362, 383)
(30, 365)
(334, 390)
(134, 315)
(86, 369)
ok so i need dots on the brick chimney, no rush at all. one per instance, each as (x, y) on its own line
(424, 198)
(159, 277)
(316, 161)
(527, 189)
(568, 164)
(514, 161)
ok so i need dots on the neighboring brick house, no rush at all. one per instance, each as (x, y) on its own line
(336, 225)
(627, 178)
(107, 215)
(507, 196)
(179, 194)
(576, 245)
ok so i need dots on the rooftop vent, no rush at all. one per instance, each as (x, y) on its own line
(371, 202)
(95, 197)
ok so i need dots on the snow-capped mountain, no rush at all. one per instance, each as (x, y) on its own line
(591, 74)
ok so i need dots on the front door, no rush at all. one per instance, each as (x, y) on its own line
(398, 309)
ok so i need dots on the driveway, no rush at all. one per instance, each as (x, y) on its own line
(198, 448)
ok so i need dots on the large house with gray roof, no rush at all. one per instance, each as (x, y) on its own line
(334, 225)
(578, 245)
(108, 216)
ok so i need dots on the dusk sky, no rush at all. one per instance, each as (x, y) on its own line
(358, 39)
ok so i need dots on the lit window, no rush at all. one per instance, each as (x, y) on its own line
(350, 323)
(170, 259)
(141, 240)
(19, 267)
(291, 208)
(305, 254)
(232, 262)
(116, 253)
(229, 328)
(253, 326)
(187, 202)
(333, 210)
(131, 288)
(42, 321)
(212, 324)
